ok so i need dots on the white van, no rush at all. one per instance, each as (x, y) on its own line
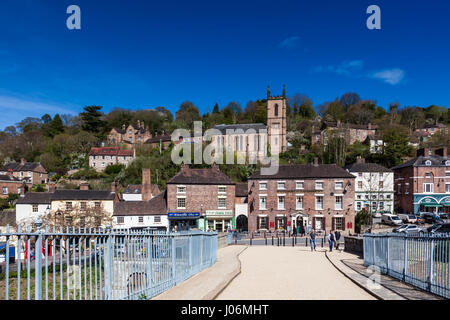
(408, 218)
(391, 219)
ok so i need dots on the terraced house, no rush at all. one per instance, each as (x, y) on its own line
(422, 184)
(100, 158)
(33, 172)
(316, 196)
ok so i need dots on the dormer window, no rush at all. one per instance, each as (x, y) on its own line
(428, 163)
(447, 163)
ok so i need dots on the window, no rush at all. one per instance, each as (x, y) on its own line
(181, 189)
(360, 185)
(358, 206)
(157, 219)
(280, 223)
(281, 185)
(103, 164)
(281, 200)
(319, 185)
(447, 163)
(263, 222)
(141, 219)
(222, 189)
(338, 223)
(381, 205)
(262, 202)
(263, 186)
(381, 175)
(406, 188)
(82, 221)
(358, 197)
(68, 220)
(447, 174)
(339, 185)
(275, 112)
(388, 196)
(428, 163)
(319, 203)
(222, 202)
(35, 208)
(120, 220)
(19, 190)
(299, 202)
(181, 203)
(68, 205)
(380, 184)
(83, 206)
(29, 173)
(359, 174)
(97, 204)
(299, 185)
(374, 206)
(399, 188)
(428, 188)
(276, 141)
(5, 190)
(447, 187)
(428, 175)
(338, 204)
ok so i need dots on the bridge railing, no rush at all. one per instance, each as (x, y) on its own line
(420, 260)
(99, 264)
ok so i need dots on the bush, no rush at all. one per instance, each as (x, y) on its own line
(87, 174)
(362, 218)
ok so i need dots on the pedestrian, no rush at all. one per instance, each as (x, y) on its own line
(331, 240)
(302, 230)
(289, 230)
(337, 236)
(294, 233)
(312, 235)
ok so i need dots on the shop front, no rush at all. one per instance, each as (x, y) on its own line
(436, 204)
(183, 220)
(217, 220)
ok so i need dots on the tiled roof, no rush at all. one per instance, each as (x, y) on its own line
(155, 206)
(17, 166)
(35, 198)
(200, 176)
(128, 153)
(307, 171)
(110, 151)
(255, 126)
(83, 195)
(241, 189)
(351, 125)
(163, 138)
(367, 167)
(436, 161)
(4, 177)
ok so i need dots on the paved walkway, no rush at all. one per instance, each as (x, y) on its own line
(290, 273)
(207, 284)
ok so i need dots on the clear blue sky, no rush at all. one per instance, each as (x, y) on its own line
(142, 54)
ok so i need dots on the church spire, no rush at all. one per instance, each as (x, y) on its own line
(268, 92)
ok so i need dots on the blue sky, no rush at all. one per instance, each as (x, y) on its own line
(142, 54)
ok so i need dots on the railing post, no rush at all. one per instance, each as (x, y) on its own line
(38, 261)
(190, 253)
(174, 252)
(108, 261)
(431, 277)
(405, 261)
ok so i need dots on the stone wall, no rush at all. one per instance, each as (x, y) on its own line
(354, 244)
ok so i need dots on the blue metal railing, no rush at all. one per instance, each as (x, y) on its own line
(100, 264)
(420, 260)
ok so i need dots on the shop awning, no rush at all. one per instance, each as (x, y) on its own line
(431, 205)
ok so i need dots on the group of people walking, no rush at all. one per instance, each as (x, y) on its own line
(333, 239)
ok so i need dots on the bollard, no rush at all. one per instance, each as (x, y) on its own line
(251, 240)
(293, 241)
(284, 240)
(272, 240)
(266, 241)
(306, 242)
(322, 242)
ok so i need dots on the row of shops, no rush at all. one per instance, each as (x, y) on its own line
(211, 220)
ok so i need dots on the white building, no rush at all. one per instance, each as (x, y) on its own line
(376, 144)
(139, 215)
(374, 186)
(32, 205)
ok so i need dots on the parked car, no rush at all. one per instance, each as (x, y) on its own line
(445, 216)
(408, 218)
(420, 218)
(439, 228)
(391, 219)
(409, 228)
(431, 217)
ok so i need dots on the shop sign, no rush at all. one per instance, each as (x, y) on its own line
(219, 213)
(183, 214)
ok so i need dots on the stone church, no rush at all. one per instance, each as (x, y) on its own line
(253, 141)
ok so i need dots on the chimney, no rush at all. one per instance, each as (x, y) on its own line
(441, 152)
(424, 152)
(22, 190)
(369, 126)
(84, 186)
(113, 186)
(23, 161)
(146, 184)
(338, 123)
(316, 162)
(360, 159)
(51, 187)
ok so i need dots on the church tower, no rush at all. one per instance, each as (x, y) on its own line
(276, 122)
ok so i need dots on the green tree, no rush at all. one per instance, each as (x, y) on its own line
(397, 147)
(91, 119)
(56, 126)
(187, 114)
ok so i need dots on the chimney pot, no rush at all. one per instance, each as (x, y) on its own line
(84, 186)
(23, 161)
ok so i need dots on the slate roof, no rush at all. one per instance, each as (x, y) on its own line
(367, 167)
(35, 198)
(307, 171)
(255, 126)
(436, 161)
(351, 125)
(241, 189)
(5, 177)
(110, 151)
(17, 166)
(155, 206)
(163, 138)
(200, 176)
(83, 195)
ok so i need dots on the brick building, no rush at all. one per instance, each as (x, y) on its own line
(320, 196)
(10, 184)
(430, 129)
(100, 158)
(422, 184)
(201, 198)
(350, 132)
(130, 135)
(33, 172)
(241, 206)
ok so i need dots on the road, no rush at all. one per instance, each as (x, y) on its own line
(290, 273)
